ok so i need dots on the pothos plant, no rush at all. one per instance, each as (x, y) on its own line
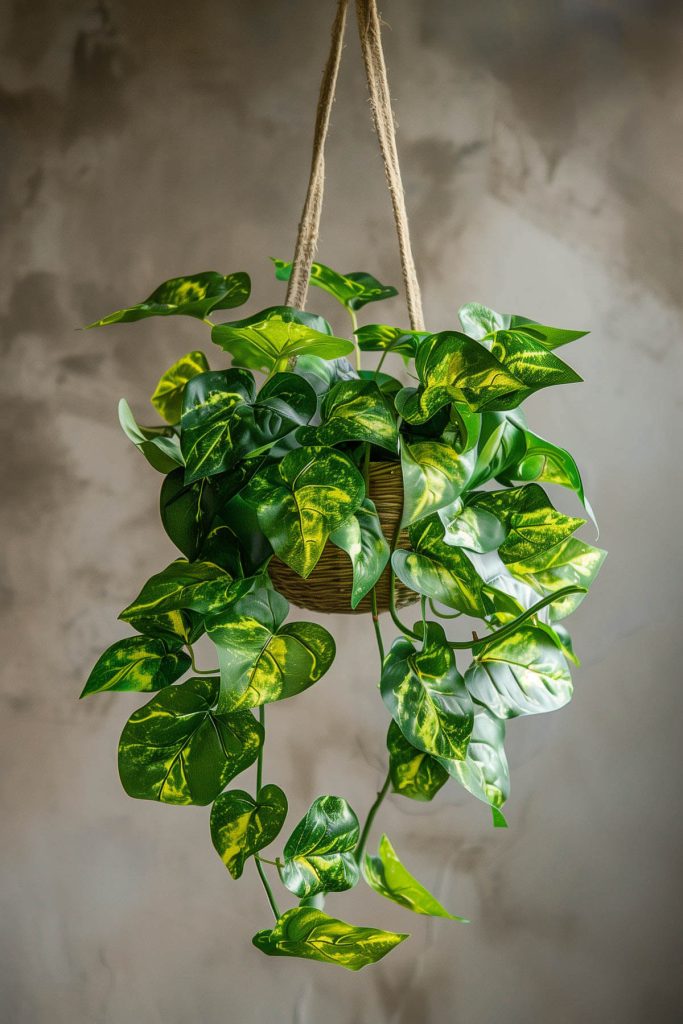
(279, 466)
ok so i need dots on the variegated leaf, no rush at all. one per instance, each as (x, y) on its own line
(176, 628)
(196, 295)
(362, 538)
(318, 856)
(178, 750)
(484, 772)
(159, 445)
(434, 475)
(313, 935)
(532, 524)
(353, 410)
(414, 774)
(199, 586)
(571, 561)
(168, 394)
(388, 877)
(137, 663)
(353, 290)
(381, 338)
(242, 825)
(530, 362)
(480, 322)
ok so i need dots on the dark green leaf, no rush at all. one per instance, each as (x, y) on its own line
(434, 475)
(159, 445)
(199, 586)
(362, 538)
(137, 663)
(168, 395)
(530, 362)
(480, 323)
(313, 935)
(353, 290)
(176, 749)
(414, 774)
(387, 876)
(242, 825)
(381, 338)
(196, 295)
(187, 511)
(353, 410)
(178, 627)
(318, 856)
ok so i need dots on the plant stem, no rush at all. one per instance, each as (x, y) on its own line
(257, 859)
(442, 615)
(381, 360)
(354, 327)
(266, 886)
(378, 631)
(200, 671)
(362, 842)
(259, 763)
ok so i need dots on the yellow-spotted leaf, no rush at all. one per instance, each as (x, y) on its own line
(159, 445)
(353, 290)
(362, 538)
(388, 877)
(484, 772)
(177, 627)
(303, 499)
(426, 695)
(382, 338)
(168, 394)
(414, 774)
(318, 856)
(434, 475)
(198, 586)
(531, 522)
(196, 295)
(313, 935)
(524, 673)
(242, 825)
(137, 663)
(260, 658)
(179, 750)
(530, 362)
(353, 410)
(267, 340)
(571, 561)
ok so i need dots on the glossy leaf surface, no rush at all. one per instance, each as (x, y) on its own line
(187, 512)
(168, 394)
(318, 856)
(434, 475)
(354, 410)
(484, 773)
(159, 445)
(471, 527)
(480, 322)
(353, 290)
(362, 538)
(414, 774)
(178, 750)
(531, 522)
(242, 825)
(572, 561)
(196, 295)
(381, 338)
(199, 586)
(137, 663)
(388, 877)
(313, 935)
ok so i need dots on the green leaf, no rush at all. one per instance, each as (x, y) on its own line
(177, 627)
(484, 772)
(199, 586)
(543, 461)
(426, 695)
(434, 475)
(261, 660)
(501, 444)
(242, 825)
(470, 527)
(267, 340)
(187, 512)
(414, 774)
(196, 295)
(571, 561)
(313, 935)
(530, 362)
(176, 749)
(168, 395)
(353, 290)
(159, 445)
(387, 876)
(323, 374)
(318, 856)
(362, 538)
(303, 499)
(440, 571)
(381, 338)
(353, 410)
(137, 663)
(480, 322)
(522, 674)
(531, 522)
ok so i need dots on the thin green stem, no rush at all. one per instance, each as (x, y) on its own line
(423, 611)
(259, 763)
(257, 859)
(200, 671)
(382, 358)
(265, 860)
(206, 320)
(362, 842)
(378, 631)
(443, 615)
(266, 886)
(354, 327)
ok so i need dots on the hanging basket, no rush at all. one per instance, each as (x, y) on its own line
(328, 588)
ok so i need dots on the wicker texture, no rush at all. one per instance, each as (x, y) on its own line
(328, 588)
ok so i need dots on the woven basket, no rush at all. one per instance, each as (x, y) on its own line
(328, 588)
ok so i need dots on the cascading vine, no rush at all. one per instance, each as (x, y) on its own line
(280, 468)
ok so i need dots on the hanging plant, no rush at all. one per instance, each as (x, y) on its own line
(296, 475)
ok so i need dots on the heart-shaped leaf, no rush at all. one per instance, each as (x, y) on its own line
(353, 410)
(484, 772)
(199, 586)
(434, 475)
(261, 660)
(242, 825)
(196, 295)
(522, 674)
(302, 500)
(571, 561)
(267, 340)
(318, 855)
(159, 445)
(387, 876)
(313, 935)
(168, 395)
(381, 338)
(353, 290)
(362, 538)
(137, 663)
(178, 750)
(426, 695)
(530, 362)
(531, 522)
(414, 774)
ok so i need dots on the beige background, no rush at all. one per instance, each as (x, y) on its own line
(541, 146)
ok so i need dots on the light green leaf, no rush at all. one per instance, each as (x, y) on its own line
(159, 445)
(199, 586)
(353, 290)
(178, 750)
(362, 538)
(484, 772)
(530, 362)
(261, 660)
(137, 663)
(196, 295)
(426, 695)
(414, 774)
(470, 527)
(267, 340)
(313, 935)
(543, 461)
(168, 395)
(434, 475)
(501, 444)
(522, 674)
(387, 876)
(531, 522)
(318, 856)
(323, 374)
(381, 338)
(303, 499)
(571, 561)
(353, 410)
(480, 322)
(242, 825)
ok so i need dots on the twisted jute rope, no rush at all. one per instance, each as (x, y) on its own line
(369, 30)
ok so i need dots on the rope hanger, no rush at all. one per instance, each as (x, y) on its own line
(369, 30)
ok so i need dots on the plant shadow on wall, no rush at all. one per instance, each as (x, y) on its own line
(345, 491)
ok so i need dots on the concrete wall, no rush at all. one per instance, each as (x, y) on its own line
(541, 146)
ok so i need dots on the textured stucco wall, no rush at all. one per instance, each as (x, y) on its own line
(541, 145)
